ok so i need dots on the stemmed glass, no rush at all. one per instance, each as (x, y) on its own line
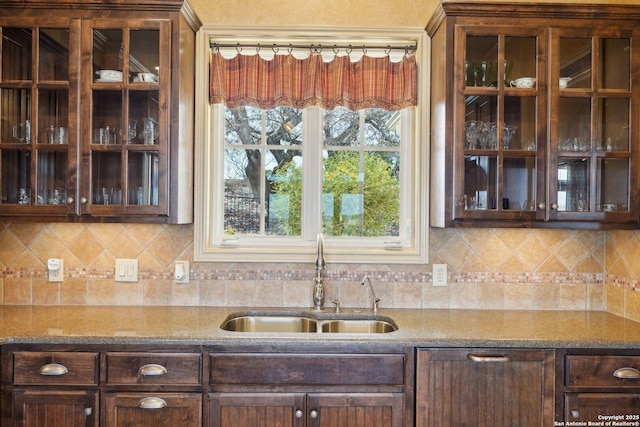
(507, 134)
(471, 133)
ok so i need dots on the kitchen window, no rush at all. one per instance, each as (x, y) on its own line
(269, 179)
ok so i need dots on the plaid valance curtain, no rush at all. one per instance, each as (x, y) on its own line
(288, 81)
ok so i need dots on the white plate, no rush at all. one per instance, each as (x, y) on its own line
(108, 80)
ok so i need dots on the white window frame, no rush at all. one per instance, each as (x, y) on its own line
(211, 245)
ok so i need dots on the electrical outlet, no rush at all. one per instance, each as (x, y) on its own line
(439, 274)
(182, 272)
(126, 270)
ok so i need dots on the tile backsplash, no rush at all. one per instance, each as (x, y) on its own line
(488, 269)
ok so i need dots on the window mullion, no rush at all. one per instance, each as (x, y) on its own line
(312, 149)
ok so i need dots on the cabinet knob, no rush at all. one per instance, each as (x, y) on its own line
(53, 369)
(541, 205)
(554, 206)
(88, 411)
(575, 414)
(152, 369)
(299, 413)
(70, 200)
(627, 373)
(83, 200)
(314, 414)
(152, 403)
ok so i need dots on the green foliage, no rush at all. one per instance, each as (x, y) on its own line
(380, 190)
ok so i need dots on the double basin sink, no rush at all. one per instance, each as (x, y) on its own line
(306, 322)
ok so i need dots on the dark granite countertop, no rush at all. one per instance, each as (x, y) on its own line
(417, 328)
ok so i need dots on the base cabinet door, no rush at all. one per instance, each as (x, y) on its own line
(595, 408)
(134, 409)
(484, 387)
(55, 408)
(306, 410)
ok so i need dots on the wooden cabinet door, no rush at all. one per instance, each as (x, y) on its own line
(479, 387)
(55, 408)
(257, 410)
(595, 407)
(355, 409)
(134, 409)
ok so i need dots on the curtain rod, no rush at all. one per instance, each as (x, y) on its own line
(314, 48)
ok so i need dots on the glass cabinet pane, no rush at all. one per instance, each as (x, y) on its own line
(16, 115)
(107, 116)
(144, 117)
(613, 185)
(614, 124)
(615, 65)
(575, 61)
(480, 177)
(143, 178)
(519, 188)
(481, 61)
(16, 177)
(573, 184)
(53, 116)
(519, 131)
(52, 177)
(144, 56)
(107, 55)
(520, 61)
(574, 124)
(16, 53)
(53, 58)
(106, 173)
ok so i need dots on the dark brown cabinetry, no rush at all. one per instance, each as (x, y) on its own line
(97, 109)
(355, 390)
(477, 387)
(534, 116)
(601, 387)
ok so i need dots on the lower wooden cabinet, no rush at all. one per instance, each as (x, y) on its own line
(306, 410)
(482, 387)
(141, 409)
(55, 408)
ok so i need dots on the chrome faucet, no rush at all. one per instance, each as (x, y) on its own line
(374, 305)
(318, 289)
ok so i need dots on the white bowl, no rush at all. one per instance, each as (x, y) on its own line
(147, 77)
(524, 82)
(563, 82)
(109, 75)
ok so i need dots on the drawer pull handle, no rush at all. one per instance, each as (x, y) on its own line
(627, 373)
(53, 369)
(152, 370)
(488, 358)
(152, 403)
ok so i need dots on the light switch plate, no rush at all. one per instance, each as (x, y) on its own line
(56, 269)
(126, 270)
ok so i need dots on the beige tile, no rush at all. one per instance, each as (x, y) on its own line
(66, 232)
(435, 297)
(73, 292)
(10, 247)
(408, 295)
(295, 294)
(45, 292)
(491, 296)
(546, 296)
(632, 304)
(518, 296)
(145, 233)
(124, 246)
(156, 292)
(85, 247)
(596, 297)
(17, 291)
(571, 253)
(242, 294)
(164, 249)
(573, 296)
(269, 294)
(463, 295)
(25, 232)
(615, 300)
(106, 233)
(128, 293)
(213, 293)
(188, 295)
(100, 292)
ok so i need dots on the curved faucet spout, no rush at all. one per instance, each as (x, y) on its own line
(376, 301)
(318, 289)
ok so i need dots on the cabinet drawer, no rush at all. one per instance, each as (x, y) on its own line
(331, 369)
(50, 367)
(154, 368)
(603, 371)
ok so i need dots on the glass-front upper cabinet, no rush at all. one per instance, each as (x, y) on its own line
(500, 128)
(37, 174)
(127, 136)
(595, 136)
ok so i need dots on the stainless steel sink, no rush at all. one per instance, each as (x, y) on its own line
(365, 326)
(260, 323)
(308, 323)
